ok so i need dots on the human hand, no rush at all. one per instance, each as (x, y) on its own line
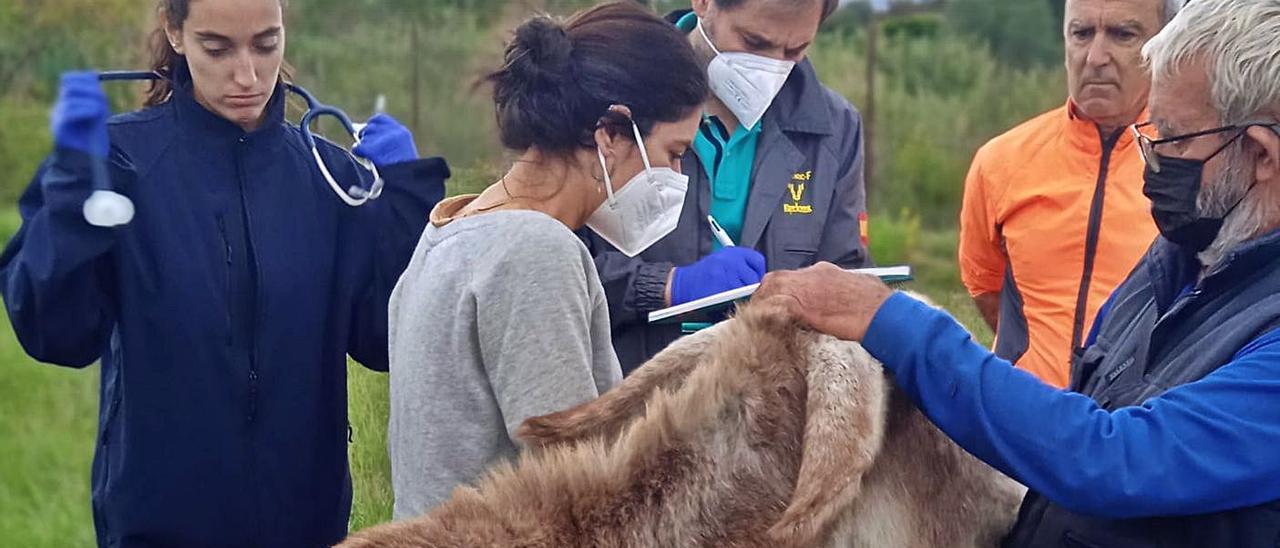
(727, 268)
(79, 117)
(827, 298)
(385, 141)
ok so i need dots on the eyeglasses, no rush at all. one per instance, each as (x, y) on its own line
(1146, 145)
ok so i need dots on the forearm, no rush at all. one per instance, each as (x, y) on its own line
(53, 268)
(1063, 445)
(989, 307)
(634, 287)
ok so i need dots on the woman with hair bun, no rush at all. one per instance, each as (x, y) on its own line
(500, 315)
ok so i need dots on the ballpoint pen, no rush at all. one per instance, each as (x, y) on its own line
(720, 234)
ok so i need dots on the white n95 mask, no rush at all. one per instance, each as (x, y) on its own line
(643, 210)
(745, 82)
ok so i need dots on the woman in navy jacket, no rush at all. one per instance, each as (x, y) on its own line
(224, 312)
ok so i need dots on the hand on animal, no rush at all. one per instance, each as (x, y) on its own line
(828, 299)
(386, 141)
(754, 433)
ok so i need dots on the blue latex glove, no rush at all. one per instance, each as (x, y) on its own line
(384, 141)
(79, 118)
(727, 268)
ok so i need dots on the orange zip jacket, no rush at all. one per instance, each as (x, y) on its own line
(1053, 220)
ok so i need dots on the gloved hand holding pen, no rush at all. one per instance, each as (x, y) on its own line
(725, 269)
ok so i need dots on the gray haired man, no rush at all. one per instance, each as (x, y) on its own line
(1169, 434)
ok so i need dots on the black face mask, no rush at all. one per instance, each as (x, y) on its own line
(1173, 192)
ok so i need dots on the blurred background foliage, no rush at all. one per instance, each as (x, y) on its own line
(948, 75)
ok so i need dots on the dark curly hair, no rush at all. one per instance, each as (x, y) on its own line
(560, 78)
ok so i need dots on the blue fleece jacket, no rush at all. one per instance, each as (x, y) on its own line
(1202, 447)
(222, 314)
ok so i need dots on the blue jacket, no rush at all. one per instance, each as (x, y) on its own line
(1201, 447)
(222, 314)
(1168, 327)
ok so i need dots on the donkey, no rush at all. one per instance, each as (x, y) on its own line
(753, 433)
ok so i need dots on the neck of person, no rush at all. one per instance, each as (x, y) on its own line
(556, 187)
(1230, 237)
(1108, 126)
(714, 107)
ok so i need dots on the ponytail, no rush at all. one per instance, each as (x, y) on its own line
(165, 62)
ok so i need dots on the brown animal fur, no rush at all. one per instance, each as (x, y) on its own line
(753, 433)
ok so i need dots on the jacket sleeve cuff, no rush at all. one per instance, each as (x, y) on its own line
(74, 171)
(651, 286)
(434, 168)
(894, 331)
(69, 182)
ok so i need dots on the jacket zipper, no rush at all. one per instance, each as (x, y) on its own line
(251, 263)
(1091, 238)
(226, 277)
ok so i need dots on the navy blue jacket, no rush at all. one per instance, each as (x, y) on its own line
(222, 314)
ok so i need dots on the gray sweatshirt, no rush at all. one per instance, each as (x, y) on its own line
(499, 317)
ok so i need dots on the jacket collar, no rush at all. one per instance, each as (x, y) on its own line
(195, 117)
(801, 106)
(1174, 268)
(1085, 135)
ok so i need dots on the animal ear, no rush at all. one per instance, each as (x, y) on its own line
(846, 409)
(609, 414)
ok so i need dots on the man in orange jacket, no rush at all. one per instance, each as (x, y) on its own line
(1054, 217)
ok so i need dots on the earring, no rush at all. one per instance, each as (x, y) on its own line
(598, 178)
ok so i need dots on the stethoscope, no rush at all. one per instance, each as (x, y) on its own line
(107, 208)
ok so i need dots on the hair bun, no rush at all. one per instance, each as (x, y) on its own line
(541, 49)
(559, 77)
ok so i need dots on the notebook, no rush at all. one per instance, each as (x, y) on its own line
(707, 308)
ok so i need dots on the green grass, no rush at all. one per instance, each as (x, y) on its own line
(48, 417)
(370, 469)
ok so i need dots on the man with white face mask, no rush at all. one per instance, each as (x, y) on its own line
(777, 163)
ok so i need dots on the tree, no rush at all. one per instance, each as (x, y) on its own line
(1019, 32)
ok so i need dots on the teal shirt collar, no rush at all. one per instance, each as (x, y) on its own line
(687, 22)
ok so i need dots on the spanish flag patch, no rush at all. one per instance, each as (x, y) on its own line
(862, 228)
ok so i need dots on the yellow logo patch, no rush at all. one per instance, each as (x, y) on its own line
(797, 191)
(796, 188)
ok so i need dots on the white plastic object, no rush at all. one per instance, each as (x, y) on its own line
(106, 208)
